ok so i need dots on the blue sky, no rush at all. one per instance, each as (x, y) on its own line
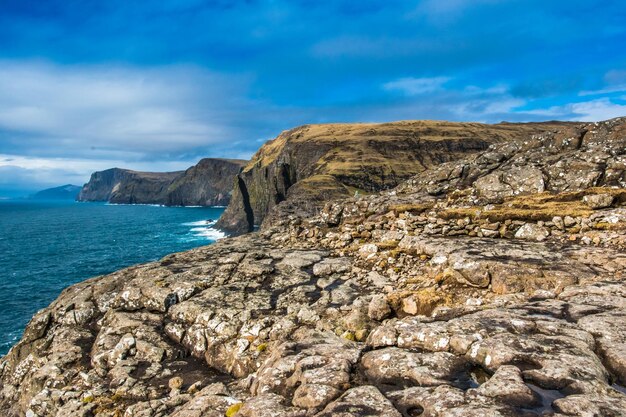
(87, 85)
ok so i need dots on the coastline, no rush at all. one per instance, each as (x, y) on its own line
(485, 285)
(47, 246)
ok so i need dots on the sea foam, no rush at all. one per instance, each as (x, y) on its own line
(208, 232)
(200, 223)
(203, 229)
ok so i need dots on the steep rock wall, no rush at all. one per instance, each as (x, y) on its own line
(206, 184)
(359, 158)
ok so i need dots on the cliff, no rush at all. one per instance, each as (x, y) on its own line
(489, 285)
(64, 192)
(344, 159)
(209, 183)
(123, 186)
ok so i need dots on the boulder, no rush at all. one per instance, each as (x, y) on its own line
(507, 385)
(378, 308)
(364, 401)
(598, 201)
(532, 231)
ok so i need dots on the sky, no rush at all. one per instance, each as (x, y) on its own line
(87, 85)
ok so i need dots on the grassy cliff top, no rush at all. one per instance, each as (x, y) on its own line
(347, 148)
(240, 162)
(145, 174)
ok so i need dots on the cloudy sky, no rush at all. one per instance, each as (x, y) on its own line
(87, 85)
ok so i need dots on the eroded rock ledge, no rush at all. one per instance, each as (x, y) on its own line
(407, 304)
(298, 331)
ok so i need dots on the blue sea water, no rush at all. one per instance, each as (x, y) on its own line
(47, 246)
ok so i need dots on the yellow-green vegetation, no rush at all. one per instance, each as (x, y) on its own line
(395, 253)
(321, 183)
(324, 187)
(361, 158)
(233, 409)
(426, 299)
(348, 335)
(387, 245)
(534, 207)
(610, 226)
(411, 208)
(386, 150)
(262, 347)
(113, 405)
(360, 335)
(457, 194)
(271, 149)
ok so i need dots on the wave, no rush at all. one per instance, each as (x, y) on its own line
(152, 205)
(138, 204)
(208, 233)
(200, 223)
(202, 229)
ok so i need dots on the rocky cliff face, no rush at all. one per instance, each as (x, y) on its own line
(492, 285)
(123, 186)
(208, 183)
(570, 158)
(314, 163)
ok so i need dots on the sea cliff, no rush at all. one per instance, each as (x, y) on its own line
(208, 183)
(314, 163)
(487, 282)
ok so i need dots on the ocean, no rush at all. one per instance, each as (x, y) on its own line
(47, 246)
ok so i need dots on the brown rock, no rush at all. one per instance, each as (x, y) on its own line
(378, 309)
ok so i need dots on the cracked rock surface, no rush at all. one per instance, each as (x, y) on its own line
(364, 310)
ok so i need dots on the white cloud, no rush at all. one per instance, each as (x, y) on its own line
(434, 98)
(597, 110)
(414, 86)
(490, 103)
(34, 172)
(23, 179)
(60, 123)
(586, 111)
(84, 165)
(606, 90)
(112, 109)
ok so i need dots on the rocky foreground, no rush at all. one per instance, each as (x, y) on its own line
(491, 285)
